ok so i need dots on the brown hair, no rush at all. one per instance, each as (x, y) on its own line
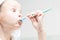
(1, 5)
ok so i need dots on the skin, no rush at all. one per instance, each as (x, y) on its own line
(9, 17)
(37, 22)
(9, 20)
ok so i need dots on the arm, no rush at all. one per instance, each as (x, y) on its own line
(41, 34)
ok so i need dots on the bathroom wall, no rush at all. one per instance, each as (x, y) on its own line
(51, 19)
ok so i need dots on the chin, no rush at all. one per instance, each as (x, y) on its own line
(16, 26)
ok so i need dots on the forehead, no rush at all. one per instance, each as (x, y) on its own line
(12, 4)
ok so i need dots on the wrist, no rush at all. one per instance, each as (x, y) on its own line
(39, 30)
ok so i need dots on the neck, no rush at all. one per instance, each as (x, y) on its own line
(6, 34)
(6, 28)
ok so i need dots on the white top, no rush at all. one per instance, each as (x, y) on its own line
(16, 34)
(0, 39)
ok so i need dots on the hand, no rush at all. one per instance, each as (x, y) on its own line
(36, 19)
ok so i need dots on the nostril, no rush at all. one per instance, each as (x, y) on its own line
(19, 16)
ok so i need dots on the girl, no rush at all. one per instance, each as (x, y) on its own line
(10, 15)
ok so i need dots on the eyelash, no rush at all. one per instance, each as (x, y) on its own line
(14, 10)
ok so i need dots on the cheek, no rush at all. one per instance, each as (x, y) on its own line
(10, 18)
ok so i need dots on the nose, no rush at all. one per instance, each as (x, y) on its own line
(19, 15)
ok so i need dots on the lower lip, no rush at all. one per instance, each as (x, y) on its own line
(19, 23)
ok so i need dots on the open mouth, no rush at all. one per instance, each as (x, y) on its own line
(20, 22)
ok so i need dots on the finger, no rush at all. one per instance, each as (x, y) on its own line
(39, 16)
(39, 13)
(32, 18)
(35, 16)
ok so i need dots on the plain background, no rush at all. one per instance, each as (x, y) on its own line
(51, 19)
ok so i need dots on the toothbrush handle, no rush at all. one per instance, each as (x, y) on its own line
(44, 11)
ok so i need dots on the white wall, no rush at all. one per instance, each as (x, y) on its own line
(51, 20)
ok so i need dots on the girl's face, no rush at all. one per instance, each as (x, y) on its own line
(11, 13)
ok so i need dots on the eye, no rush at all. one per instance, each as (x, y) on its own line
(13, 9)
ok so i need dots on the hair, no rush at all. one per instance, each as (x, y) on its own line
(1, 5)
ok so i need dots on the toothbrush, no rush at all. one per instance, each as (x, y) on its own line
(44, 11)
